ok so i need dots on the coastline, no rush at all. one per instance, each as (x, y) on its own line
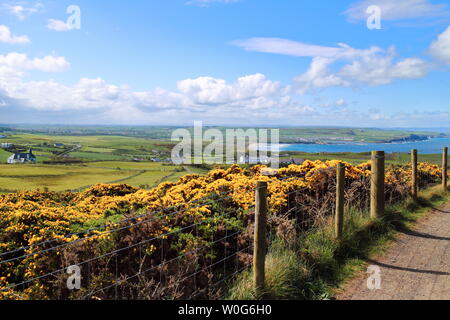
(427, 146)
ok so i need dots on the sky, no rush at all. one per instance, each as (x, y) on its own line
(359, 63)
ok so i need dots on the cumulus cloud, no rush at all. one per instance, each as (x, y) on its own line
(318, 76)
(373, 66)
(22, 10)
(58, 25)
(6, 36)
(249, 95)
(381, 69)
(440, 49)
(20, 61)
(397, 10)
(207, 90)
(119, 104)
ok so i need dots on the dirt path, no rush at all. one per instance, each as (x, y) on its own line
(417, 266)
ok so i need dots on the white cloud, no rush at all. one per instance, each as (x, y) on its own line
(318, 76)
(21, 61)
(7, 37)
(287, 47)
(58, 25)
(252, 98)
(381, 69)
(119, 104)
(207, 90)
(21, 10)
(249, 95)
(341, 102)
(373, 66)
(397, 9)
(213, 100)
(301, 49)
(440, 49)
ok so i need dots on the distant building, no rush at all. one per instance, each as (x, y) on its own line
(58, 145)
(255, 160)
(22, 158)
(6, 145)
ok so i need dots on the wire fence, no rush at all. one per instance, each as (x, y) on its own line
(195, 250)
(157, 255)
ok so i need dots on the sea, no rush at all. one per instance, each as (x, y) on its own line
(431, 146)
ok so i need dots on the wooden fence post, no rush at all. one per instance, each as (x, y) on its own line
(260, 246)
(444, 168)
(415, 187)
(340, 199)
(377, 185)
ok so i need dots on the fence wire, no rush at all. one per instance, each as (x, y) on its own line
(180, 252)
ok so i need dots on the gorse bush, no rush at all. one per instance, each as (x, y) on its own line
(173, 241)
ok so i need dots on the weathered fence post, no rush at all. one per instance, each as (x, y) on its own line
(259, 251)
(444, 168)
(339, 214)
(377, 185)
(415, 187)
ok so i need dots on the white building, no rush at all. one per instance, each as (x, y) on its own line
(22, 158)
(6, 145)
(255, 160)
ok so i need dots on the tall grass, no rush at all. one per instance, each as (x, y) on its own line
(317, 265)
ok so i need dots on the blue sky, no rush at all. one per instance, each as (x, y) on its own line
(241, 62)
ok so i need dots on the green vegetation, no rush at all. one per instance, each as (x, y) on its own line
(357, 158)
(4, 155)
(76, 157)
(74, 177)
(55, 177)
(316, 265)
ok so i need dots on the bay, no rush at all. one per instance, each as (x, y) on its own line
(431, 146)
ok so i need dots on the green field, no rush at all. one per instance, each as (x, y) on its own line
(55, 178)
(72, 177)
(105, 159)
(124, 154)
(93, 148)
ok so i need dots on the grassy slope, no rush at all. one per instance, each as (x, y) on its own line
(71, 177)
(317, 265)
(55, 178)
(4, 155)
(94, 147)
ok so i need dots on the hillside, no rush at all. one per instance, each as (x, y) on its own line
(203, 222)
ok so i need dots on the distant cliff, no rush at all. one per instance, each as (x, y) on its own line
(411, 138)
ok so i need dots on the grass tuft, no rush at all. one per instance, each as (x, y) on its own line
(319, 264)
